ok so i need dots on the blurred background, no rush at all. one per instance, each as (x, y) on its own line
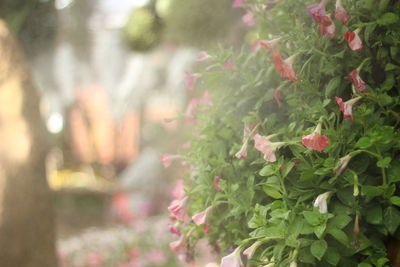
(111, 81)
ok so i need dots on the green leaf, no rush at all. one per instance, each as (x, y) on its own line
(292, 241)
(268, 170)
(339, 235)
(319, 230)
(395, 200)
(390, 67)
(384, 163)
(371, 191)
(388, 18)
(312, 217)
(332, 256)
(384, 99)
(374, 215)
(330, 89)
(272, 192)
(318, 248)
(364, 142)
(287, 169)
(394, 173)
(391, 219)
(389, 82)
(340, 221)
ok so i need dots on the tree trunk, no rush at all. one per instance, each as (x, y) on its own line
(26, 218)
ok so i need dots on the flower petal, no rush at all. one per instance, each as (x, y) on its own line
(315, 141)
(353, 40)
(355, 78)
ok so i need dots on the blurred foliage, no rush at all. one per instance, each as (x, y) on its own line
(199, 23)
(143, 31)
(29, 19)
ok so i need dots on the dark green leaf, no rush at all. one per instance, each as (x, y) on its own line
(392, 219)
(318, 249)
(388, 18)
(374, 215)
(371, 191)
(330, 89)
(332, 256)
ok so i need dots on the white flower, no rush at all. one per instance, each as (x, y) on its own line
(320, 202)
(232, 260)
(249, 252)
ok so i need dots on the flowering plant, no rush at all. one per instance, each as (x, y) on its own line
(324, 190)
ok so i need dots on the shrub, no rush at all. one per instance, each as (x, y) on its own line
(319, 183)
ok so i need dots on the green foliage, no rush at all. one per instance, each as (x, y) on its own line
(275, 202)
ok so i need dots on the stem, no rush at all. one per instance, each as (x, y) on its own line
(362, 64)
(320, 52)
(368, 152)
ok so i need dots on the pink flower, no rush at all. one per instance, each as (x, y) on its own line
(191, 111)
(315, 140)
(94, 259)
(190, 80)
(167, 159)
(353, 40)
(248, 19)
(178, 246)
(340, 13)
(347, 107)
(326, 26)
(177, 209)
(277, 96)
(284, 67)
(206, 99)
(233, 259)
(321, 202)
(179, 190)
(201, 218)
(268, 44)
(133, 253)
(237, 3)
(216, 183)
(174, 230)
(242, 153)
(206, 229)
(355, 78)
(343, 161)
(121, 208)
(202, 56)
(186, 145)
(265, 146)
(228, 65)
(317, 10)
